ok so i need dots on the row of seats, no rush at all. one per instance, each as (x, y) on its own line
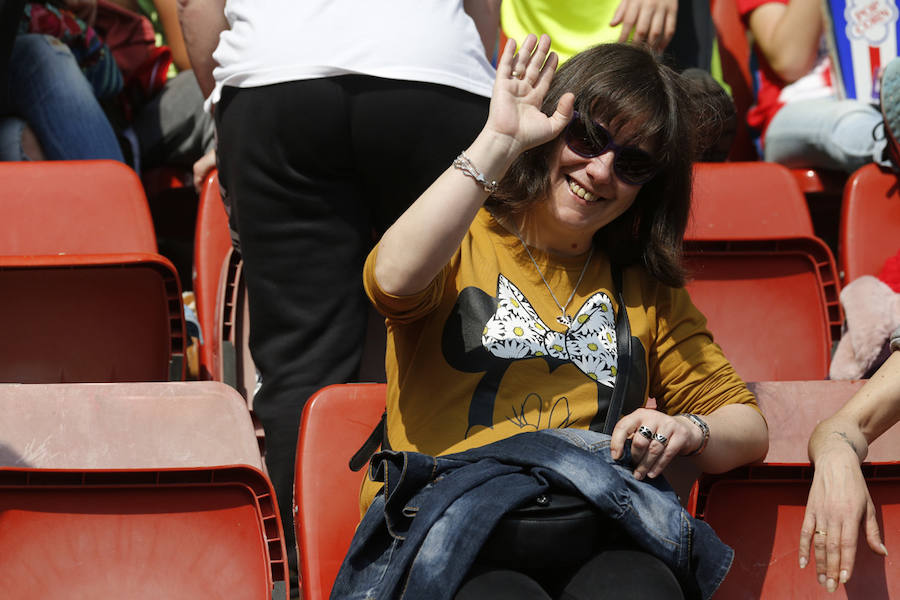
(757, 510)
(757, 268)
(135, 490)
(78, 272)
(756, 264)
(143, 486)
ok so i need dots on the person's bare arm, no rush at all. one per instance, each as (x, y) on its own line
(839, 502)
(168, 19)
(201, 23)
(486, 14)
(419, 243)
(788, 35)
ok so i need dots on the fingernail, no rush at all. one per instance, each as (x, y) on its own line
(844, 576)
(822, 578)
(803, 562)
(638, 476)
(831, 585)
(885, 549)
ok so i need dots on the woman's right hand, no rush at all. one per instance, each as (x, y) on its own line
(522, 81)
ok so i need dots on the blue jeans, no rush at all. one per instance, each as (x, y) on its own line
(48, 91)
(826, 133)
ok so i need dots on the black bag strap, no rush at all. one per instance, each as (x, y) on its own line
(616, 402)
(378, 437)
(623, 361)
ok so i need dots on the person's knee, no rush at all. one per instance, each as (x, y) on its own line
(18, 141)
(45, 66)
(853, 130)
(625, 574)
(500, 584)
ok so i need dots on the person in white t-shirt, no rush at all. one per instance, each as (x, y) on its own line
(332, 117)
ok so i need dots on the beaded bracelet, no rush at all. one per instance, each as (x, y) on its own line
(703, 427)
(465, 165)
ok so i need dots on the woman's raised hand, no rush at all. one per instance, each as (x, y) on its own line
(523, 79)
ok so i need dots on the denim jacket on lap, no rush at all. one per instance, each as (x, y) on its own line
(423, 532)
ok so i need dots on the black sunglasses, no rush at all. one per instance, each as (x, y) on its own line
(632, 165)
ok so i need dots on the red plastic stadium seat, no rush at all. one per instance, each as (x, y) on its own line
(336, 422)
(758, 509)
(221, 297)
(870, 222)
(97, 317)
(734, 52)
(746, 201)
(139, 534)
(767, 284)
(758, 512)
(86, 295)
(134, 490)
(212, 248)
(125, 426)
(73, 207)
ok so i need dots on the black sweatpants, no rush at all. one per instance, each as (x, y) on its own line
(315, 170)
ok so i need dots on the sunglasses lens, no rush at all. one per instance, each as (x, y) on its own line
(634, 165)
(579, 140)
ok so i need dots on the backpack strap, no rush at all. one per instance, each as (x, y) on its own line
(623, 360)
(378, 437)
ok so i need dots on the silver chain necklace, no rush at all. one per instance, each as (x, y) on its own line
(563, 318)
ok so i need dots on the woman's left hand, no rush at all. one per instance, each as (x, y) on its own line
(838, 505)
(656, 438)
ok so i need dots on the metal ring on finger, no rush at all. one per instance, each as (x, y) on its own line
(516, 74)
(646, 432)
(821, 532)
(660, 438)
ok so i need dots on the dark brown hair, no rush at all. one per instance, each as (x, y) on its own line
(621, 84)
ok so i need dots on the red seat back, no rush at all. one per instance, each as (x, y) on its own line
(212, 248)
(336, 422)
(734, 53)
(139, 534)
(89, 318)
(767, 285)
(759, 511)
(746, 201)
(73, 207)
(870, 222)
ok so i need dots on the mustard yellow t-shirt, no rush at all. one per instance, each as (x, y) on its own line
(479, 355)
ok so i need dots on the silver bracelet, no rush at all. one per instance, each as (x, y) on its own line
(703, 427)
(895, 339)
(465, 165)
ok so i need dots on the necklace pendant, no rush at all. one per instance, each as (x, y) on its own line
(565, 320)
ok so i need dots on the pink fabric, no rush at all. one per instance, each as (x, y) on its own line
(872, 311)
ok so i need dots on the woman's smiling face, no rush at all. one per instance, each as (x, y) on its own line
(584, 195)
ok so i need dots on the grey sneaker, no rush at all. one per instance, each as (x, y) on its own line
(890, 108)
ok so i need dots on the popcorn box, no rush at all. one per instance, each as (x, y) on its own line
(862, 37)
